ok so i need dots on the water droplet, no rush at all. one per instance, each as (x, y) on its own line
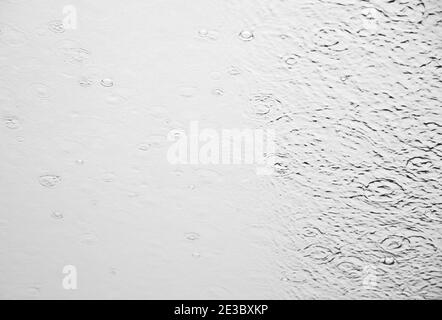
(107, 82)
(388, 260)
(79, 162)
(49, 181)
(203, 32)
(246, 35)
(192, 236)
(196, 255)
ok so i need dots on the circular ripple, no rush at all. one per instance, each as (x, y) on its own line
(319, 253)
(395, 244)
(383, 190)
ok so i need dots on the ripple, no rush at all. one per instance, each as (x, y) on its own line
(383, 190)
(192, 236)
(395, 244)
(262, 106)
(246, 35)
(56, 26)
(107, 82)
(350, 266)
(49, 180)
(330, 38)
(319, 253)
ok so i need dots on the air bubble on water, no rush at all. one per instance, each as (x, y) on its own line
(203, 32)
(56, 26)
(388, 260)
(246, 35)
(107, 82)
(49, 180)
(192, 236)
(57, 215)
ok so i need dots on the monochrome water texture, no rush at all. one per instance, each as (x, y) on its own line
(352, 89)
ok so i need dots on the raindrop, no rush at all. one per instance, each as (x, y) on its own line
(203, 32)
(246, 35)
(388, 260)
